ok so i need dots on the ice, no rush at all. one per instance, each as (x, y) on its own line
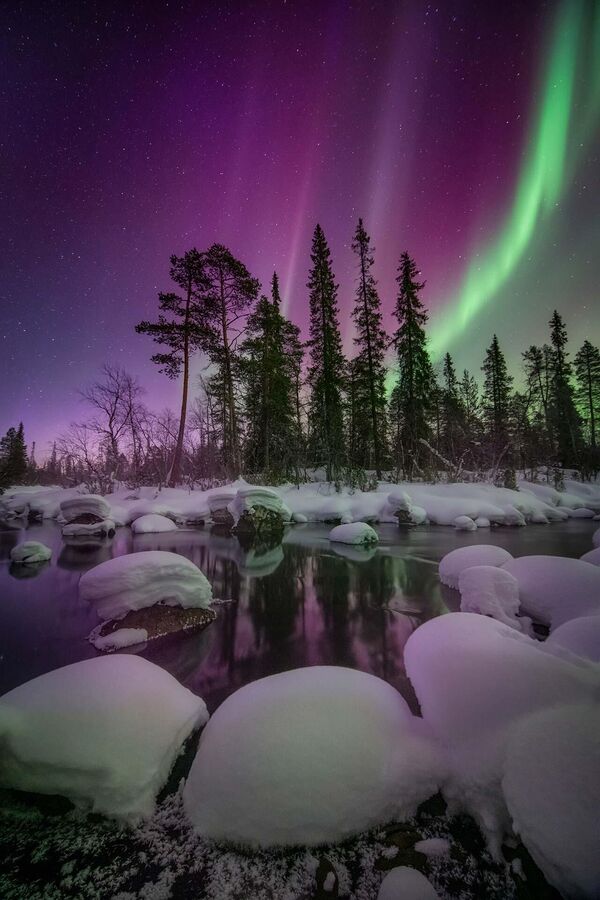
(592, 556)
(103, 732)
(30, 552)
(554, 589)
(355, 533)
(403, 883)
(490, 591)
(309, 756)
(579, 636)
(117, 640)
(552, 792)
(142, 579)
(152, 523)
(454, 562)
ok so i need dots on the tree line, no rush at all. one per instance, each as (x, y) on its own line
(273, 407)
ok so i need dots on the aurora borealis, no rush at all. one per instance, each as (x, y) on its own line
(463, 132)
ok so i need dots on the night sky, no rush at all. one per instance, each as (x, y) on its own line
(464, 132)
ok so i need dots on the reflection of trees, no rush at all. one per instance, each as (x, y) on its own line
(80, 554)
(331, 579)
(274, 600)
(27, 570)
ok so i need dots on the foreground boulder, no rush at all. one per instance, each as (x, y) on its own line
(103, 732)
(307, 757)
(554, 589)
(454, 562)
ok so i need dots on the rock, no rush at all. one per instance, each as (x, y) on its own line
(85, 509)
(30, 552)
(148, 624)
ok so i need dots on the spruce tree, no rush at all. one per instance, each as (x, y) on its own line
(327, 365)
(564, 418)
(181, 330)
(411, 402)
(13, 457)
(368, 367)
(452, 413)
(587, 374)
(496, 399)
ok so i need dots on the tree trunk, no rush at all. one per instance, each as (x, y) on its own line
(175, 471)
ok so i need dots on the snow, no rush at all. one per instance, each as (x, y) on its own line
(403, 883)
(309, 756)
(582, 513)
(453, 563)
(490, 591)
(464, 523)
(140, 580)
(592, 556)
(84, 505)
(474, 678)
(554, 589)
(247, 498)
(103, 732)
(117, 640)
(81, 529)
(596, 538)
(433, 847)
(30, 552)
(152, 524)
(579, 636)
(553, 796)
(354, 533)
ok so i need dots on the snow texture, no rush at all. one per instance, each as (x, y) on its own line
(464, 523)
(403, 883)
(83, 529)
(453, 563)
(592, 556)
(30, 552)
(596, 538)
(103, 732)
(579, 636)
(117, 640)
(554, 589)
(152, 523)
(86, 504)
(552, 788)
(354, 533)
(140, 580)
(309, 756)
(490, 591)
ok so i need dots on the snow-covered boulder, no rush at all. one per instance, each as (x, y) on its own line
(354, 533)
(140, 580)
(30, 552)
(119, 639)
(596, 538)
(464, 523)
(103, 732)
(218, 503)
(89, 529)
(258, 510)
(490, 591)
(554, 589)
(579, 636)
(152, 524)
(582, 513)
(453, 563)
(552, 792)
(85, 509)
(404, 883)
(307, 757)
(400, 507)
(592, 556)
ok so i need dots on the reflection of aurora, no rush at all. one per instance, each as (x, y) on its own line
(549, 162)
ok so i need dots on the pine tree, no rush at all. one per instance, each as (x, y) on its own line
(564, 418)
(496, 399)
(368, 367)
(327, 365)
(411, 402)
(227, 294)
(182, 333)
(452, 413)
(587, 374)
(13, 457)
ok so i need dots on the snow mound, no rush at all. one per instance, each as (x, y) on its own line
(83, 529)
(103, 732)
(474, 678)
(554, 589)
(579, 636)
(592, 556)
(30, 552)
(142, 579)
(464, 523)
(354, 533)
(309, 756)
(152, 523)
(86, 505)
(248, 498)
(596, 538)
(490, 591)
(117, 640)
(554, 796)
(582, 513)
(433, 847)
(454, 562)
(406, 884)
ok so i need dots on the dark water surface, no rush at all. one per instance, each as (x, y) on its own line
(303, 602)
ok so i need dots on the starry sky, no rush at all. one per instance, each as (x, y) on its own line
(464, 132)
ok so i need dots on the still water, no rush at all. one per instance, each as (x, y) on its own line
(303, 602)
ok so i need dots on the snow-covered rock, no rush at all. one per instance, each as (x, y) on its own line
(592, 556)
(307, 757)
(552, 788)
(582, 513)
(84, 508)
(464, 523)
(103, 732)
(596, 538)
(579, 636)
(30, 552)
(490, 591)
(142, 579)
(453, 563)
(152, 524)
(85, 529)
(554, 589)
(354, 533)
(117, 640)
(433, 847)
(403, 883)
